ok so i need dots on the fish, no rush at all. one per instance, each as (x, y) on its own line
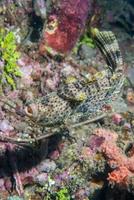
(77, 100)
(102, 88)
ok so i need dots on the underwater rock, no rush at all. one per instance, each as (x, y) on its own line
(46, 166)
(41, 178)
(127, 126)
(81, 194)
(64, 26)
(68, 69)
(2, 187)
(95, 188)
(5, 126)
(119, 105)
(40, 8)
(130, 74)
(14, 198)
(86, 52)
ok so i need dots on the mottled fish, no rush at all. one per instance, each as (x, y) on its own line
(77, 100)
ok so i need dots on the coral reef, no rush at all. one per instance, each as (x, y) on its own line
(91, 160)
(121, 164)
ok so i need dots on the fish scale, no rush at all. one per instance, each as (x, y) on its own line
(77, 100)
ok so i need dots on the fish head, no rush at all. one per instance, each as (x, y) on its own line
(32, 110)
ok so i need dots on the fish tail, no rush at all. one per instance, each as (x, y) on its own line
(108, 45)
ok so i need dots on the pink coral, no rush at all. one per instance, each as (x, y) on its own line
(31, 71)
(123, 166)
(112, 153)
(117, 118)
(95, 142)
(130, 163)
(107, 134)
(119, 176)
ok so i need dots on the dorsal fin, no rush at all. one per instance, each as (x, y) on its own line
(108, 45)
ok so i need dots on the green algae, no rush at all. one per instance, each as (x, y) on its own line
(9, 57)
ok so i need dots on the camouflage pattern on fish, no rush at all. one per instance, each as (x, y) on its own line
(77, 100)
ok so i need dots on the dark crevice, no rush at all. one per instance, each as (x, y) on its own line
(36, 25)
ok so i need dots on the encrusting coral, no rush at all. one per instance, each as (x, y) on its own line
(122, 166)
(64, 26)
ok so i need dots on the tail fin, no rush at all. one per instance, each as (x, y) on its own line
(108, 45)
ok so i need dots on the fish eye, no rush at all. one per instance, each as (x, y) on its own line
(29, 111)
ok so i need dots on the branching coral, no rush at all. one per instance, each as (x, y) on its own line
(121, 165)
(9, 57)
(119, 176)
